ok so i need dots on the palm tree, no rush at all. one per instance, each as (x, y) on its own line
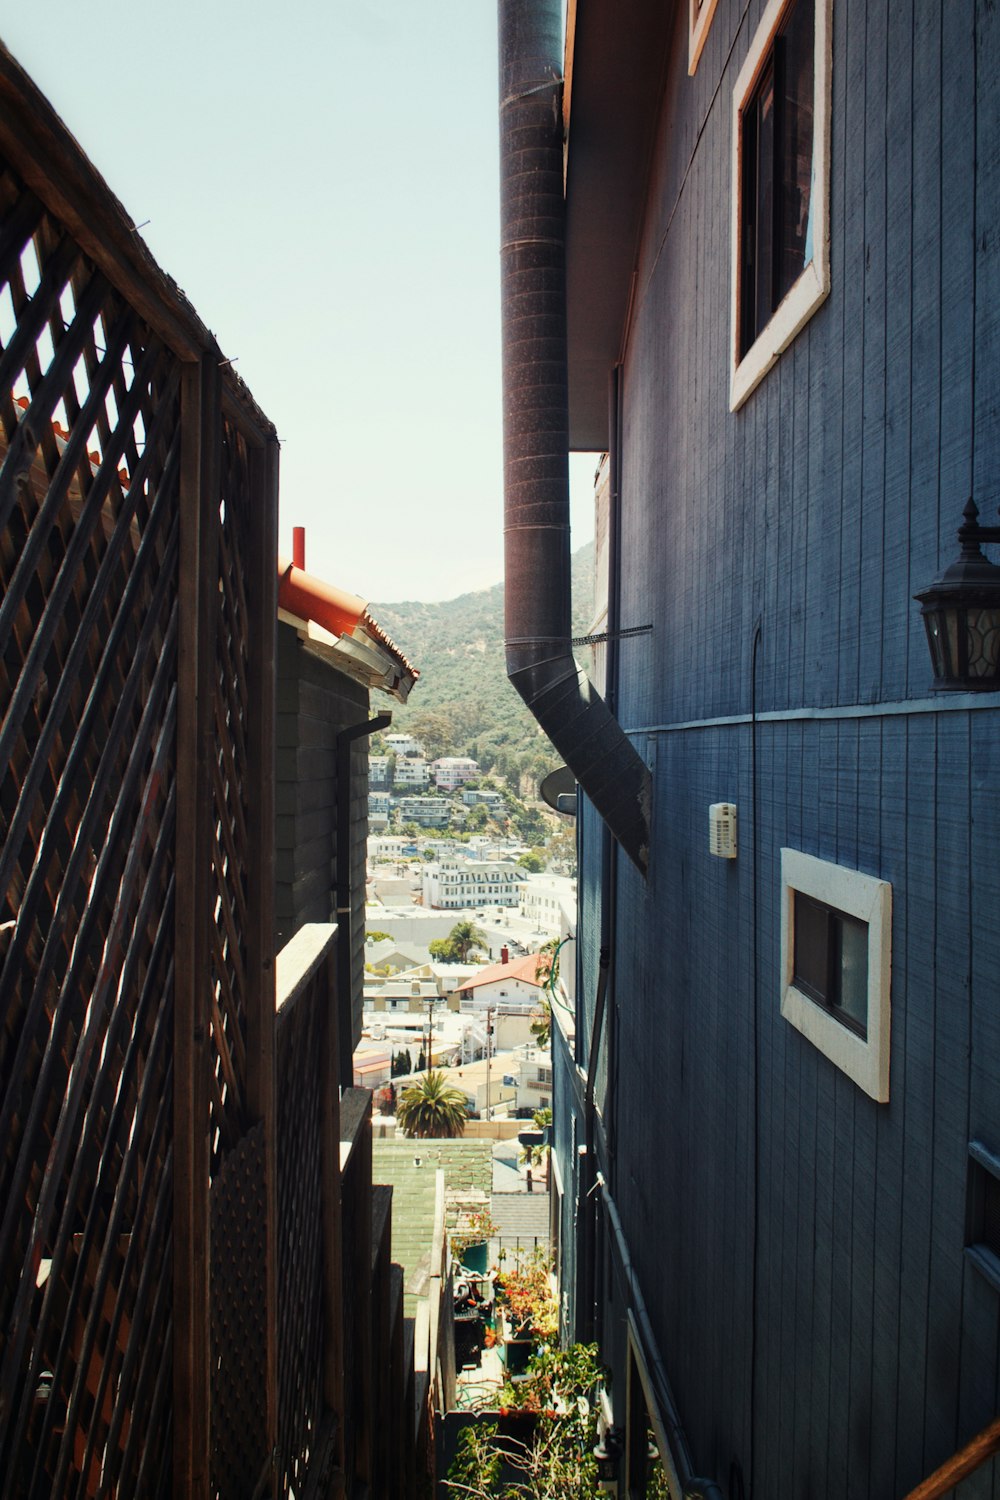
(431, 1107)
(465, 936)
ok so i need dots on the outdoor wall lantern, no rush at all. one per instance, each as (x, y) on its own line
(608, 1453)
(961, 611)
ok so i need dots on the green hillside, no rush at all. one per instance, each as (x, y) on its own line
(463, 703)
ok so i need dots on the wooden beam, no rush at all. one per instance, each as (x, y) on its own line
(333, 1217)
(984, 1446)
(199, 520)
(262, 601)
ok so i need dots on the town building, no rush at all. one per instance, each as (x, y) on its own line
(426, 812)
(379, 809)
(412, 772)
(385, 848)
(402, 745)
(529, 1069)
(475, 797)
(452, 771)
(549, 902)
(777, 1120)
(457, 883)
(513, 983)
(379, 777)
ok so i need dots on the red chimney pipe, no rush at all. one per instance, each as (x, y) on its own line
(299, 547)
(505, 955)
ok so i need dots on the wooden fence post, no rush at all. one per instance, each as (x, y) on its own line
(262, 594)
(199, 522)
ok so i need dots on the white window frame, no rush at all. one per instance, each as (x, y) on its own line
(813, 286)
(864, 1059)
(699, 21)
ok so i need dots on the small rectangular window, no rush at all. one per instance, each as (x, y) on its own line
(777, 173)
(831, 960)
(781, 147)
(836, 930)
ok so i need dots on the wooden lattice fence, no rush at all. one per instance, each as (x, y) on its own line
(138, 488)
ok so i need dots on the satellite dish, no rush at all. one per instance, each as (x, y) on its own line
(558, 789)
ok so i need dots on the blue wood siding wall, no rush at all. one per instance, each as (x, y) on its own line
(801, 1247)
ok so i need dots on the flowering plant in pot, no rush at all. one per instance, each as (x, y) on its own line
(527, 1296)
(539, 1445)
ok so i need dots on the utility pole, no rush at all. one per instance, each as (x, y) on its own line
(430, 1032)
(489, 1056)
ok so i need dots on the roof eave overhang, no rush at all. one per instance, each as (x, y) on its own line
(615, 71)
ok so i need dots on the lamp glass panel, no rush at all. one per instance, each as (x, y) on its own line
(953, 621)
(983, 641)
(935, 640)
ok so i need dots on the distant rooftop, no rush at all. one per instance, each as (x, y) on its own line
(468, 1168)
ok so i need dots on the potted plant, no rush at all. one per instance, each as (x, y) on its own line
(470, 1238)
(540, 1441)
(530, 1309)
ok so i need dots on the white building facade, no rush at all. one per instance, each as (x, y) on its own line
(549, 902)
(412, 772)
(453, 884)
(453, 771)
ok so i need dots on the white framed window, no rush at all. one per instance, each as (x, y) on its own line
(836, 970)
(780, 186)
(700, 13)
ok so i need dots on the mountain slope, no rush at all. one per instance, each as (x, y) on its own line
(463, 703)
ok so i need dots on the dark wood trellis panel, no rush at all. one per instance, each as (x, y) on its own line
(182, 1193)
(309, 1372)
(138, 488)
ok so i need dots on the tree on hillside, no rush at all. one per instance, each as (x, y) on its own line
(431, 1107)
(456, 947)
(465, 936)
(531, 826)
(435, 732)
(531, 861)
(562, 847)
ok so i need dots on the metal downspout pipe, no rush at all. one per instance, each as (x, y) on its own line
(540, 661)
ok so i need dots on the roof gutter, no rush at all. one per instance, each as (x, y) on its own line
(540, 662)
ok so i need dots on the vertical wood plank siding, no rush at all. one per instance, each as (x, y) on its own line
(316, 702)
(800, 1248)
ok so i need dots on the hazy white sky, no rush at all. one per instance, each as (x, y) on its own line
(320, 176)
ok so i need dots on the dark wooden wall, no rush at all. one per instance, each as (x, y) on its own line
(801, 1247)
(315, 703)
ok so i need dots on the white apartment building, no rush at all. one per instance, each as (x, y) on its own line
(385, 848)
(378, 772)
(452, 771)
(453, 883)
(548, 902)
(403, 744)
(412, 773)
(426, 812)
(378, 811)
(511, 985)
(473, 797)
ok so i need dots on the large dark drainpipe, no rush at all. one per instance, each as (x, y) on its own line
(540, 661)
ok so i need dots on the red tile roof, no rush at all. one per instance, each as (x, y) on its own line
(344, 615)
(533, 968)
